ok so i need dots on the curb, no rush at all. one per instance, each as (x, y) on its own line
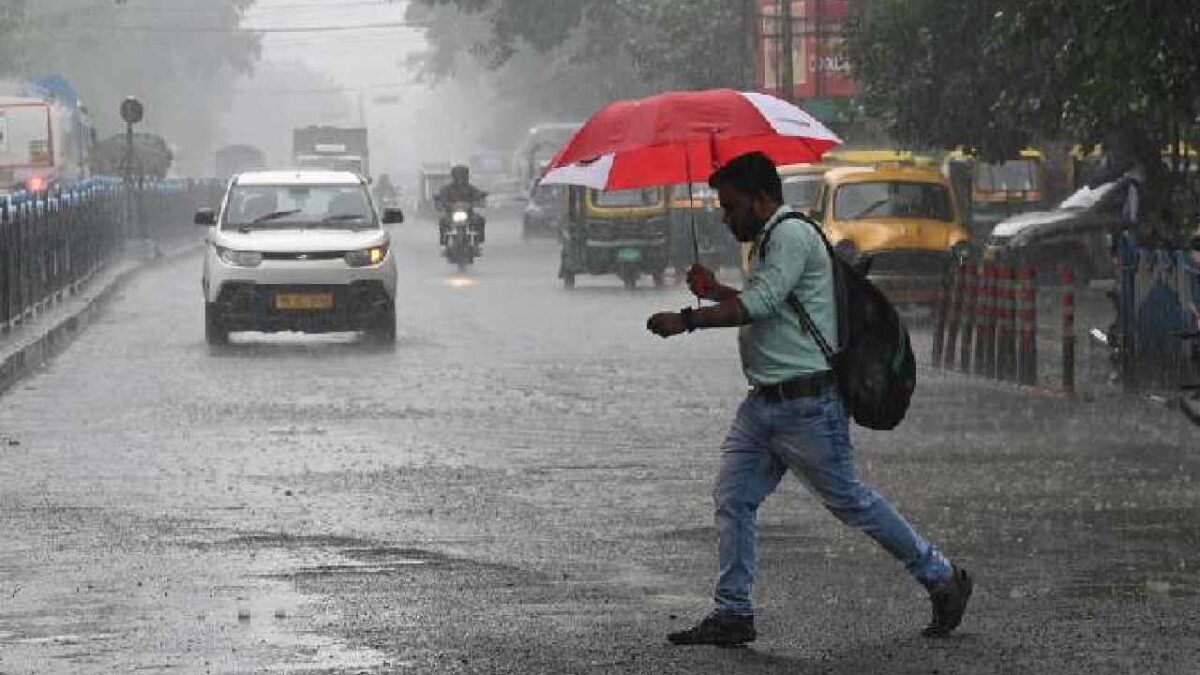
(55, 339)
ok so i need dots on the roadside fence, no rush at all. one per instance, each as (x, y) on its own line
(1158, 307)
(51, 244)
(986, 323)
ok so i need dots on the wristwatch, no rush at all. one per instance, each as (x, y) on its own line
(689, 321)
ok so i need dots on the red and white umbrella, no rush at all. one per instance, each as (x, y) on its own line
(681, 137)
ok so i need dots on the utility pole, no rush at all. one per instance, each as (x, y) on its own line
(787, 75)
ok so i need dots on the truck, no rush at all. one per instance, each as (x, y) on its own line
(46, 138)
(336, 148)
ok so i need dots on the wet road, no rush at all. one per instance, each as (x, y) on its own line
(523, 486)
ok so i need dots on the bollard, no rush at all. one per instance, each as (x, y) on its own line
(1027, 322)
(985, 323)
(942, 308)
(971, 288)
(1005, 338)
(955, 316)
(1068, 330)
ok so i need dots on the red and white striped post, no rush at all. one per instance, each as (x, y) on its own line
(1068, 330)
(956, 303)
(1005, 335)
(939, 321)
(968, 316)
(983, 311)
(1027, 318)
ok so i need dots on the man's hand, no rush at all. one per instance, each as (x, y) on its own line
(666, 324)
(702, 282)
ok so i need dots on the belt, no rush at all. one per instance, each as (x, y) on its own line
(799, 387)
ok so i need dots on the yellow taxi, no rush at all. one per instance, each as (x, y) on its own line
(903, 221)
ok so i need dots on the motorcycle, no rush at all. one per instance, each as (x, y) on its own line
(461, 235)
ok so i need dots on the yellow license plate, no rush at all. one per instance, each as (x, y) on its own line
(304, 301)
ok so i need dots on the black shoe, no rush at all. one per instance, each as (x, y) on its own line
(717, 629)
(949, 602)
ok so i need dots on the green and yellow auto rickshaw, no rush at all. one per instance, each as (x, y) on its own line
(621, 232)
(713, 243)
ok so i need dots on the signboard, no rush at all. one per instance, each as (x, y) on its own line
(3, 132)
(820, 65)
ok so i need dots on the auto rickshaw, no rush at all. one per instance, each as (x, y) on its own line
(716, 247)
(1001, 189)
(621, 232)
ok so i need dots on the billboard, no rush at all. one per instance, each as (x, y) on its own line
(820, 65)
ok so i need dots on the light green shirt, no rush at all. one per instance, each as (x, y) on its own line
(775, 347)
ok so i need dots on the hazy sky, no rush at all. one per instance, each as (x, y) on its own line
(351, 69)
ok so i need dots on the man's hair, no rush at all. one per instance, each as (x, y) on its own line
(753, 174)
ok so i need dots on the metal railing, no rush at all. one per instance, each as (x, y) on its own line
(53, 243)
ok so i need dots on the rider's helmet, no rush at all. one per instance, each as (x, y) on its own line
(460, 174)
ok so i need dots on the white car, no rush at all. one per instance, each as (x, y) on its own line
(299, 251)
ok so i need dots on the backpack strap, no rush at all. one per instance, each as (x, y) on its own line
(806, 320)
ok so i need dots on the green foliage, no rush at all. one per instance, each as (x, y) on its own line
(655, 44)
(999, 74)
(111, 50)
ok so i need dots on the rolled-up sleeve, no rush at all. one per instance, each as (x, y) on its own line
(768, 286)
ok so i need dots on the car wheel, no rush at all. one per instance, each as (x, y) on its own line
(214, 334)
(384, 332)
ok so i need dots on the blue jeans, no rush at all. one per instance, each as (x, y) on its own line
(811, 437)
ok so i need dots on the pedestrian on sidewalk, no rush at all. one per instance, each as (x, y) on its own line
(793, 417)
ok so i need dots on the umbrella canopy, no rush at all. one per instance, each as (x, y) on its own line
(681, 137)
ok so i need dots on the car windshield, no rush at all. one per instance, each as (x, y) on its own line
(893, 199)
(627, 198)
(1018, 175)
(292, 205)
(801, 192)
(1087, 197)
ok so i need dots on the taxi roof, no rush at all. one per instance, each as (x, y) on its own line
(803, 169)
(299, 177)
(867, 174)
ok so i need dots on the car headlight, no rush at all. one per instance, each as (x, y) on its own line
(239, 258)
(367, 257)
(459, 217)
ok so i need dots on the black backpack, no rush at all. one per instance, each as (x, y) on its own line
(874, 363)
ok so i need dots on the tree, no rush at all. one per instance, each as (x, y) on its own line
(995, 75)
(544, 60)
(180, 57)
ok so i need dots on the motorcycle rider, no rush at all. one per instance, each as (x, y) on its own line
(385, 192)
(460, 190)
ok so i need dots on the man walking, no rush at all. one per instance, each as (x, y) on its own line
(793, 417)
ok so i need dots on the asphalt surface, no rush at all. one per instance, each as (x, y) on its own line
(523, 486)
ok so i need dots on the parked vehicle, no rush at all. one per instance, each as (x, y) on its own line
(999, 190)
(621, 232)
(545, 211)
(1077, 234)
(539, 146)
(46, 138)
(298, 250)
(901, 223)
